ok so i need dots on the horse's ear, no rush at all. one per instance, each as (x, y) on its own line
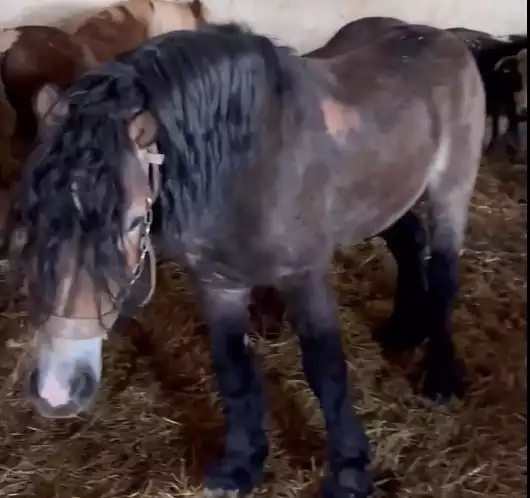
(142, 129)
(46, 99)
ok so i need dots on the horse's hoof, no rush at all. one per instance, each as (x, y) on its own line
(231, 482)
(348, 483)
(440, 385)
(400, 335)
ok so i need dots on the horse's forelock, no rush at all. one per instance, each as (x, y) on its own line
(73, 197)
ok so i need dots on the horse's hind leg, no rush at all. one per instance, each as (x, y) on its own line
(311, 309)
(449, 193)
(407, 240)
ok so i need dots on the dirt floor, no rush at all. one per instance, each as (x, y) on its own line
(157, 423)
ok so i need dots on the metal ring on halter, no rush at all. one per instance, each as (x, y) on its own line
(152, 270)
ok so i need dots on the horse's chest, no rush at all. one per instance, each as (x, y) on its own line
(274, 251)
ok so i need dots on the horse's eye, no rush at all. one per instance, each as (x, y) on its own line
(135, 223)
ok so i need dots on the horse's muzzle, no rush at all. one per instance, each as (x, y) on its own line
(54, 401)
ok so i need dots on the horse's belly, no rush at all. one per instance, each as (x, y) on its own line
(379, 193)
(370, 216)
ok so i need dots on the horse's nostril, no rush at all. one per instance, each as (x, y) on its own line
(83, 386)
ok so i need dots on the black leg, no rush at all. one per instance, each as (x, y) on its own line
(513, 142)
(443, 377)
(311, 309)
(241, 392)
(406, 328)
(495, 116)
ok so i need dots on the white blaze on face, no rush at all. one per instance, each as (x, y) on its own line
(60, 361)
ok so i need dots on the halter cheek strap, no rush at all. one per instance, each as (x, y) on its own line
(152, 160)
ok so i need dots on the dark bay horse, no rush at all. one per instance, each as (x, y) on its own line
(258, 163)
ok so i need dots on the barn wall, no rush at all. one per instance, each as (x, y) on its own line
(306, 24)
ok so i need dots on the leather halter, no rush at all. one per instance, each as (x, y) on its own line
(151, 166)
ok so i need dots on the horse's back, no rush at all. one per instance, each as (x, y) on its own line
(399, 60)
(354, 35)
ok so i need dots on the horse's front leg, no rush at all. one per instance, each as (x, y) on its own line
(311, 309)
(246, 447)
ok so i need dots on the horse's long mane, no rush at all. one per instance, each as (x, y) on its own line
(205, 90)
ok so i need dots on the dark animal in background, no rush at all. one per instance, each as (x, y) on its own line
(502, 65)
(270, 161)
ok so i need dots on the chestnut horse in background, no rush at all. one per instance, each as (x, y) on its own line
(33, 56)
